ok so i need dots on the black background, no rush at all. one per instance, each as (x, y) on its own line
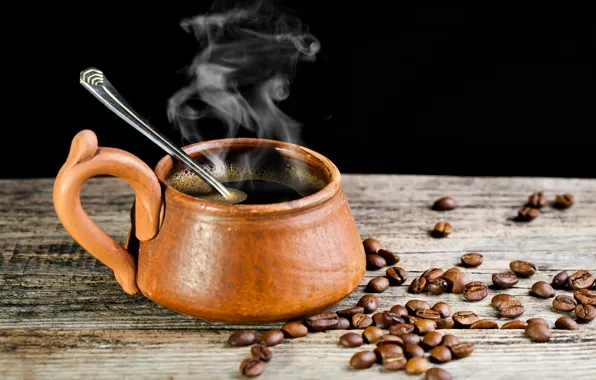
(424, 89)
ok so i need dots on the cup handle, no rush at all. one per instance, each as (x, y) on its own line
(86, 160)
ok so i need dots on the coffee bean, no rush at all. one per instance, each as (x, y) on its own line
(379, 320)
(261, 352)
(374, 262)
(410, 338)
(442, 229)
(391, 318)
(538, 332)
(463, 319)
(582, 279)
(410, 319)
(414, 305)
(429, 314)
(455, 279)
(433, 274)
(484, 324)
(585, 296)
(523, 268)
(391, 258)
(343, 323)
(540, 321)
(471, 260)
(412, 350)
(542, 289)
(416, 366)
(437, 374)
(386, 351)
(363, 359)
(475, 291)
(445, 324)
(323, 321)
(377, 285)
(399, 310)
(395, 363)
(440, 354)
(252, 367)
(361, 321)
(504, 280)
(511, 309)
(401, 328)
(347, 313)
(462, 350)
(527, 214)
(371, 246)
(585, 313)
(560, 280)
(564, 303)
(390, 339)
(242, 338)
(372, 334)
(444, 204)
(396, 275)
(294, 330)
(351, 340)
(436, 287)
(423, 326)
(514, 325)
(537, 200)
(418, 285)
(449, 340)
(499, 299)
(443, 308)
(272, 338)
(564, 201)
(369, 302)
(432, 340)
(566, 323)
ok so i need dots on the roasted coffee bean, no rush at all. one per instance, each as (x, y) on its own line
(436, 287)
(363, 359)
(343, 323)
(401, 328)
(395, 363)
(410, 338)
(377, 285)
(484, 324)
(432, 340)
(412, 350)
(361, 321)
(437, 374)
(582, 279)
(540, 321)
(379, 320)
(410, 319)
(499, 299)
(399, 310)
(252, 367)
(449, 340)
(272, 337)
(351, 340)
(386, 351)
(371, 246)
(445, 324)
(471, 260)
(462, 350)
(440, 354)
(585, 296)
(390, 339)
(242, 338)
(566, 323)
(527, 214)
(538, 332)
(560, 280)
(261, 352)
(323, 321)
(294, 330)
(369, 302)
(455, 279)
(504, 280)
(416, 366)
(391, 258)
(511, 309)
(418, 285)
(414, 305)
(514, 325)
(372, 334)
(537, 200)
(564, 201)
(443, 308)
(391, 318)
(428, 314)
(433, 274)
(523, 268)
(347, 313)
(475, 291)
(442, 229)
(423, 326)
(396, 275)
(464, 319)
(542, 289)
(585, 313)
(444, 204)
(374, 262)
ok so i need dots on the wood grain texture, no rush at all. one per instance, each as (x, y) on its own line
(63, 315)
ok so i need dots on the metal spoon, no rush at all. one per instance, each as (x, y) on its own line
(97, 84)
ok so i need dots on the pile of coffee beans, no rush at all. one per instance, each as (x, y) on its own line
(537, 200)
(583, 302)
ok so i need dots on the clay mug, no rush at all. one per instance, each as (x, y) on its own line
(232, 263)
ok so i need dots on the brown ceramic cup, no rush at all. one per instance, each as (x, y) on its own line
(233, 263)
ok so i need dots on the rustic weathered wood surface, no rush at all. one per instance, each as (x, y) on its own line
(62, 314)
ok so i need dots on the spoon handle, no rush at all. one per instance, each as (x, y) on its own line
(97, 84)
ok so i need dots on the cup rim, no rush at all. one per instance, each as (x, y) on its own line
(166, 163)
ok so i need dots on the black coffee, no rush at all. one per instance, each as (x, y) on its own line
(260, 191)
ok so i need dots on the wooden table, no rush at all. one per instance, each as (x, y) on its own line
(62, 314)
